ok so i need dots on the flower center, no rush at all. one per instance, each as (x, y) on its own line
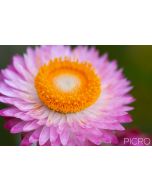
(66, 82)
(67, 86)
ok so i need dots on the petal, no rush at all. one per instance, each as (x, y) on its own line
(30, 126)
(125, 118)
(14, 112)
(25, 141)
(83, 53)
(10, 123)
(109, 137)
(10, 74)
(30, 61)
(57, 142)
(35, 135)
(111, 126)
(6, 90)
(19, 65)
(44, 136)
(13, 93)
(18, 127)
(59, 51)
(25, 87)
(94, 139)
(53, 134)
(64, 136)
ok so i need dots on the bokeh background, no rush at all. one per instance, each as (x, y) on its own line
(137, 64)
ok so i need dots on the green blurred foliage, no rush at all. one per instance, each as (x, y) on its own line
(137, 64)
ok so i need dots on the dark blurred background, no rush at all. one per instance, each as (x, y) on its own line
(137, 64)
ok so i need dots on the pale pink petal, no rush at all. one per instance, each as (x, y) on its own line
(19, 65)
(64, 136)
(30, 62)
(30, 126)
(35, 135)
(53, 134)
(14, 112)
(44, 136)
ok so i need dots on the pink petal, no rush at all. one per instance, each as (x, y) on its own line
(14, 112)
(18, 127)
(7, 91)
(44, 136)
(57, 142)
(53, 134)
(10, 123)
(125, 118)
(19, 64)
(94, 139)
(30, 126)
(64, 136)
(10, 74)
(25, 141)
(35, 135)
(30, 61)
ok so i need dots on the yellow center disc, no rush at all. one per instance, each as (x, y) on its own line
(67, 86)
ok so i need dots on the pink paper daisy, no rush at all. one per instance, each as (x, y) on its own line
(60, 96)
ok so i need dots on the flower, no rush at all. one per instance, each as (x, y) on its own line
(63, 96)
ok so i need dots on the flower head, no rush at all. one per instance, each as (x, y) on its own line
(63, 96)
